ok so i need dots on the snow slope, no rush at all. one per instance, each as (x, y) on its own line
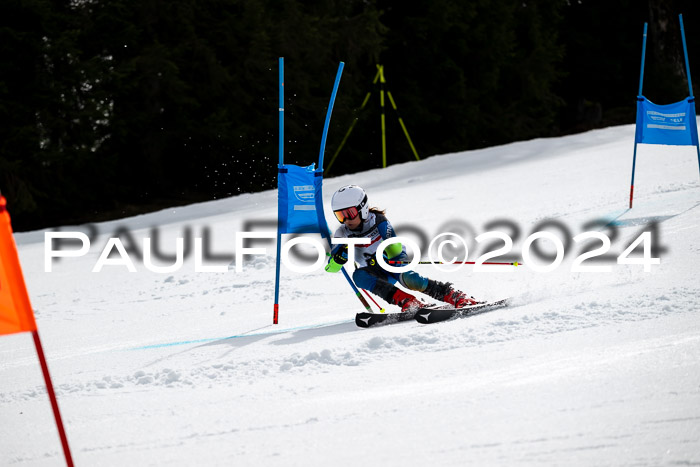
(185, 368)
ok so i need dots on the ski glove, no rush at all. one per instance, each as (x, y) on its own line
(332, 266)
(338, 259)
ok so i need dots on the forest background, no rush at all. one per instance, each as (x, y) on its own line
(110, 108)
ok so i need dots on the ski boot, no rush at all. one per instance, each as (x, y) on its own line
(445, 292)
(458, 299)
(395, 296)
(407, 302)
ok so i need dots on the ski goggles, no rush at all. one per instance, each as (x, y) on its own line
(346, 214)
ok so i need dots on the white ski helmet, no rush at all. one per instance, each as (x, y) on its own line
(351, 196)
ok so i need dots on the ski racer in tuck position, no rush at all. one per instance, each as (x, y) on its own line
(352, 210)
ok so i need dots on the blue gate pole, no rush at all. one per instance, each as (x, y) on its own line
(328, 114)
(275, 317)
(320, 216)
(322, 225)
(639, 96)
(634, 162)
(685, 53)
(644, 52)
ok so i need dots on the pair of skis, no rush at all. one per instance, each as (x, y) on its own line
(426, 315)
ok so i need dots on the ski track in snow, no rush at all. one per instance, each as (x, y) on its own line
(500, 325)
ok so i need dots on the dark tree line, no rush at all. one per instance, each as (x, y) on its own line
(114, 107)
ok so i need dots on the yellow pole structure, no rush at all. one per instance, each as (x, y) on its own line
(352, 126)
(381, 94)
(405, 131)
(378, 77)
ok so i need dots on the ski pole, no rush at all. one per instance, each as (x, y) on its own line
(365, 303)
(357, 292)
(381, 309)
(514, 263)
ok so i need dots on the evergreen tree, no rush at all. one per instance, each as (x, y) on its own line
(115, 107)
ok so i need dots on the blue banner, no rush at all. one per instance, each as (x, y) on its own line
(322, 225)
(296, 208)
(672, 124)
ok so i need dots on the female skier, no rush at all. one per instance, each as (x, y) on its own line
(350, 207)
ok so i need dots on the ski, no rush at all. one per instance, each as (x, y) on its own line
(426, 315)
(366, 320)
(435, 315)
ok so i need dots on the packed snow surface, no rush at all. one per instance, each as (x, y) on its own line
(186, 368)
